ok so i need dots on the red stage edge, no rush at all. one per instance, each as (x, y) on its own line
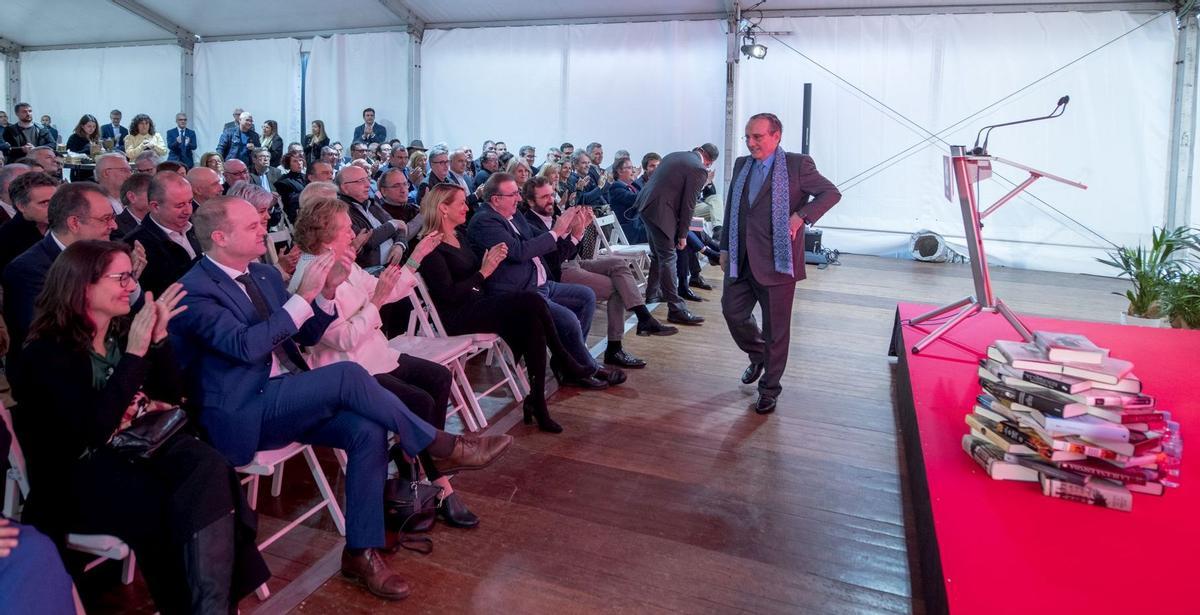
(927, 578)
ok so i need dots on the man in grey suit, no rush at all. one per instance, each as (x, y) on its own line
(767, 208)
(666, 206)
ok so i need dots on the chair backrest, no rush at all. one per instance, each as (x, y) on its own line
(16, 458)
(432, 322)
(601, 236)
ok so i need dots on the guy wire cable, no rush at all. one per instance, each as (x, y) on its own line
(905, 153)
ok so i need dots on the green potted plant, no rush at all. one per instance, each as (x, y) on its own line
(1181, 300)
(1149, 270)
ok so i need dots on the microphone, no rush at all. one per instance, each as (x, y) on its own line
(1059, 109)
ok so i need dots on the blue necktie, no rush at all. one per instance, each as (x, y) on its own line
(757, 176)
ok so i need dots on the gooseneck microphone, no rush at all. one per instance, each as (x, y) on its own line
(977, 150)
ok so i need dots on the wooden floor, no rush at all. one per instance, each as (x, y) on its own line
(668, 494)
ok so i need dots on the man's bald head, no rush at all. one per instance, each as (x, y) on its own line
(205, 183)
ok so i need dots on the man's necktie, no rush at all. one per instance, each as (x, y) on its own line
(757, 175)
(287, 353)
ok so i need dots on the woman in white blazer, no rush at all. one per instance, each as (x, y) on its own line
(356, 335)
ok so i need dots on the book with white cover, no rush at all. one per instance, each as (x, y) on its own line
(1069, 347)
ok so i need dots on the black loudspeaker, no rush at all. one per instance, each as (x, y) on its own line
(812, 240)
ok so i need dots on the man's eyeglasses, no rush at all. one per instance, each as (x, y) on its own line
(357, 181)
(105, 219)
(508, 194)
(125, 278)
(447, 161)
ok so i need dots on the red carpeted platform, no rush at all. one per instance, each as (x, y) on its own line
(1002, 547)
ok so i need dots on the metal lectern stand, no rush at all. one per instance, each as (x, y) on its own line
(965, 169)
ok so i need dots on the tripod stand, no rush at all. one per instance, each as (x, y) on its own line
(966, 171)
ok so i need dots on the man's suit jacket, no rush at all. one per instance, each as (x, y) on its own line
(233, 143)
(15, 137)
(755, 237)
(225, 349)
(273, 176)
(16, 236)
(378, 133)
(669, 199)
(181, 152)
(126, 224)
(166, 261)
(567, 249)
(371, 255)
(23, 280)
(106, 132)
(517, 272)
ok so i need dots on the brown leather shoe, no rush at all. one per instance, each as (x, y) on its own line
(370, 570)
(473, 452)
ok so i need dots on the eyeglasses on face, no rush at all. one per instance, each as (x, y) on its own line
(125, 278)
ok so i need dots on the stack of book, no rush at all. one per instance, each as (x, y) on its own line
(1061, 412)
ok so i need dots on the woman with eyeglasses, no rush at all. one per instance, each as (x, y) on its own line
(181, 510)
(213, 161)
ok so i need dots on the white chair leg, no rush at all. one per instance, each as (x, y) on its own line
(342, 459)
(127, 568)
(252, 492)
(513, 376)
(277, 480)
(459, 397)
(78, 603)
(12, 495)
(472, 400)
(335, 511)
(263, 592)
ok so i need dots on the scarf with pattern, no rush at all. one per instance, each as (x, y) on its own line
(781, 239)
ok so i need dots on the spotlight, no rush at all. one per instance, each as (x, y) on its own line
(754, 50)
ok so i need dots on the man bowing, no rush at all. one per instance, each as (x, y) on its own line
(766, 210)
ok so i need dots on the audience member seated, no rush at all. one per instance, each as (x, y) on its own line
(314, 142)
(319, 171)
(459, 161)
(263, 173)
(146, 163)
(82, 140)
(77, 212)
(272, 143)
(143, 137)
(235, 171)
(170, 166)
(550, 172)
(205, 183)
(167, 233)
(289, 185)
(136, 203)
(439, 172)
(24, 134)
(385, 240)
(32, 577)
(595, 153)
(111, 171)
(181, 142)
(237, 142)
(239, 344)
(30, 194)
(356, 334)
(264, 203)
(331, 157)
(112, 135)
(610, 277)
(588, 191)
(398, 159)
(489, 163)
(46, 157)
(520, 170)
(214, 161)
(572, 306)
(622, 196)
(369, 131)
(416, 172)
(182, 510)
(649, 164)
(397, 201)
(455, 275)
(8, 173)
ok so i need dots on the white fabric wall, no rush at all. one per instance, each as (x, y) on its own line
(69, 83)
(640, 86)
(349, 72)
(261, 76)
(938, 69)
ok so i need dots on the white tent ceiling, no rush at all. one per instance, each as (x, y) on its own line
(66, 23)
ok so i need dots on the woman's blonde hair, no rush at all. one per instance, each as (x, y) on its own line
(314, 223)
(441, 193)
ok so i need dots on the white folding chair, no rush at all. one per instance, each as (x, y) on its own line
(270, 463)
(613, 242)
(426, 322)
(16, 487)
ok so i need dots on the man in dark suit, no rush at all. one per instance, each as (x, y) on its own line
(135, 200)
(524, 269)
(759, 251)
(666, 208)
(115, 131)
(610, 277)
(49, 126)
(237, 119)
(181, 142)
(488, 163)
(237, 142)
(77, 212)
(588, 190)
(238, 342)
(24, 135)
(386, 241)
(31, 194)
(369, 131)
(262, 173)
(439, 172)
(166, 234)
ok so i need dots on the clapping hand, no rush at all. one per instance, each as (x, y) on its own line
(288, 259)
(343, 262)
(565, 222)
(138, 258)
(360, 240)
(427, 245)
(313, 280)
(492, 258)
(167, 307)
(386, 284)
(141, 330)
(8, 537)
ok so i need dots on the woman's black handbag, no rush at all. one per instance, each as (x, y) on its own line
(148, 432)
